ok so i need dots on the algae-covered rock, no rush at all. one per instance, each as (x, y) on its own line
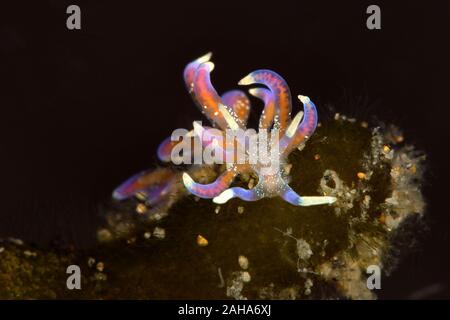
(268, 249)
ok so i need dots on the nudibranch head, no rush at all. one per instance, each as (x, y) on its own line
(263, 154)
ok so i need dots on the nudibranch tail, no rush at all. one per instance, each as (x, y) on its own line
(280, 90)
(304, 130)
(211, 190)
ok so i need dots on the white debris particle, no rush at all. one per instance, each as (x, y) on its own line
(246, 276)
(17, 242)
(90, 262)
(100, 266)
(304, 251)
(217, 209)
(288, 168)
(141, 208)
(159, 233)
(29, 253)
(222, 282)
(141, 196)
(235, 287)
(332, 185)
(240, 209)
(308, 285)
(366, 201)
(147, 235)
(391, 223)
(158, 216)
(243, 262)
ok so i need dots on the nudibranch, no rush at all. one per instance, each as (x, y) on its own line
(230, 111)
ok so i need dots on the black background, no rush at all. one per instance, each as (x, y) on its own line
(83, 110)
